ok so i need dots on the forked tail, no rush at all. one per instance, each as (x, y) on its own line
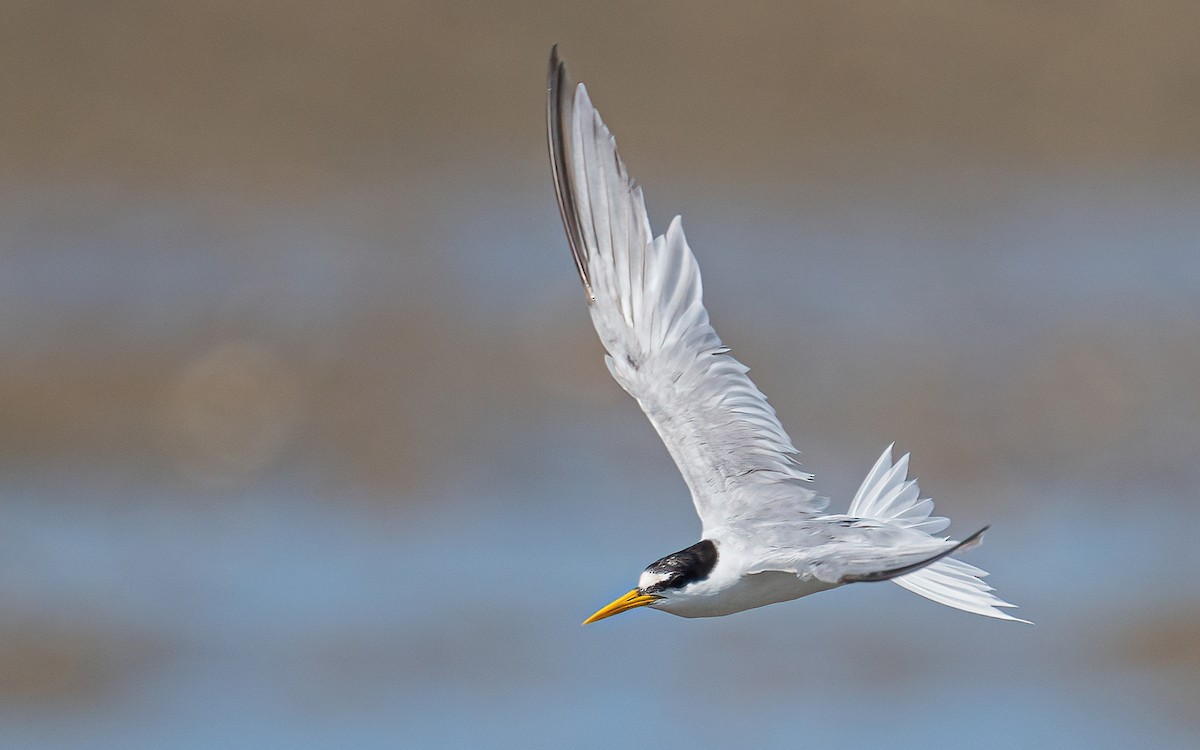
(888, 495)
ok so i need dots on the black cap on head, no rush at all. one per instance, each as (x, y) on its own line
(685, 566)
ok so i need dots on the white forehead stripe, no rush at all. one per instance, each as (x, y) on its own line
(648, 579)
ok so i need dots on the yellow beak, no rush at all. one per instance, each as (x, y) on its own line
(632, 600)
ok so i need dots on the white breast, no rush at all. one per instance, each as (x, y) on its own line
(715, 597)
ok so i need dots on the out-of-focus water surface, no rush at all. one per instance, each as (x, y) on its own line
(307, 440)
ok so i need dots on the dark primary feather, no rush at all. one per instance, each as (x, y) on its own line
(887, 575)
(558, 112)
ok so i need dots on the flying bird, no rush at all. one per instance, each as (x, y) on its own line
(766, 536)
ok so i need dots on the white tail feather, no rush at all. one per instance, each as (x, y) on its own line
(888, 495)
(959, 585)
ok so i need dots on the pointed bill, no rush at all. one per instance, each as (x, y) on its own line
(632, 600)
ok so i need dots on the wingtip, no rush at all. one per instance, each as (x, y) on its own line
(556, 72)
(560, 102)
(972, 541)
(555, 64)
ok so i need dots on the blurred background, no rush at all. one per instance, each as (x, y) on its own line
(307, 440)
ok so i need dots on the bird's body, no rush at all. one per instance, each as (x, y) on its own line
(765, 536)
(732, 591)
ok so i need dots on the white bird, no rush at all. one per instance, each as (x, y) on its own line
(765, 536)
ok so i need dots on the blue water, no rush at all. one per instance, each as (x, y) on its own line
(276, 619)
(297, 609)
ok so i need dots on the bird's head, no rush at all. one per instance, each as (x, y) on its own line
(665, 578)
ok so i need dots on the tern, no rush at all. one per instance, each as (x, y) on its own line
(766, 537)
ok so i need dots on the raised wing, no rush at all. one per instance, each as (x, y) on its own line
(645, 299)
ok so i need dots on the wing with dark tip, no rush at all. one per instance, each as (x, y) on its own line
(645, 299)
